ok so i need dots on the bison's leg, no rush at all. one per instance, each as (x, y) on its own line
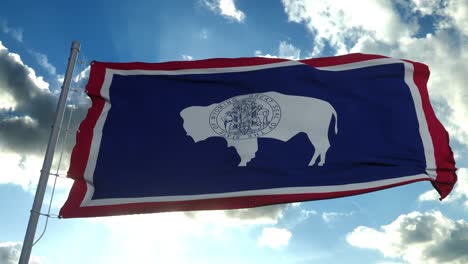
(321, 145)
(245, 148)
(314, 158)
(323, 152)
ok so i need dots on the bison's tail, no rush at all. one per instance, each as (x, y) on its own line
(336, 120)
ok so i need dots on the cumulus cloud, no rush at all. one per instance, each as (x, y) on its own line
(341, 23)
(274, 237)
(16, 33)
(27, 109)
(26, 121)
(259, 215)
(25, 125)
(226, 8)
(285, 50)
(458, 195)
(10, 253)
(417, 238)
(43, 61)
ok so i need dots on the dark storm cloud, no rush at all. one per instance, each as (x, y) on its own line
(26, 128)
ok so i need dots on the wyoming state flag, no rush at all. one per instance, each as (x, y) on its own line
(247, 132)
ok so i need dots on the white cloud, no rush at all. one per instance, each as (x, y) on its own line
(458, 194)
(83, 75)
(25, 121)
(7, 102)
(457, 12)
(16, 33)
(308, 213)
(238, 217)
(429, 238)
(24, 170)
(226, 8)
(275, 238)
(426, 7)
(333, 216)
(187, 57)
(10, 253)
(431, 195)
(340, 23)
(166, 237)
(285, 50)
(151, 238)
(389, 262)
(44, 62)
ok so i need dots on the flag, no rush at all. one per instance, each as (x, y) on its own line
(247, 132)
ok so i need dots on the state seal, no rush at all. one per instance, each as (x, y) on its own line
(245, 116)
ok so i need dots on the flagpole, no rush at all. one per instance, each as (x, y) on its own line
(49, 157)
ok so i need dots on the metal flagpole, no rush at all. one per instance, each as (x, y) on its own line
(49, 156)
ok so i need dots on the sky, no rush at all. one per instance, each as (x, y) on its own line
(407, 224)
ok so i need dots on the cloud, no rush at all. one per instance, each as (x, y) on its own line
(339, 24)
(169, 237)
(24, 127)
(26, 121)
(425, 7)
(268, 212)
(417, 238)
(44, 62)
(83, 75)
(259, 215)
(288, 51)
(151, 238)
(187, 57)
(333, 216)
(27, 110)
(16, 33)
(285, 50)
(274, 237)
(389, 262)
(20, 169)
(459, 193)
(226, 8)
(10, 253)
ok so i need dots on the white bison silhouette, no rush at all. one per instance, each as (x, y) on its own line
(242, 119)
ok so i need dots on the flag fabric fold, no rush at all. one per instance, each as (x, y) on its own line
(247, 132)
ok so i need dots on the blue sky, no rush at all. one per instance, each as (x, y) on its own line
(400, 225)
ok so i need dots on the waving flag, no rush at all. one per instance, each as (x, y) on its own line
(246, 132)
